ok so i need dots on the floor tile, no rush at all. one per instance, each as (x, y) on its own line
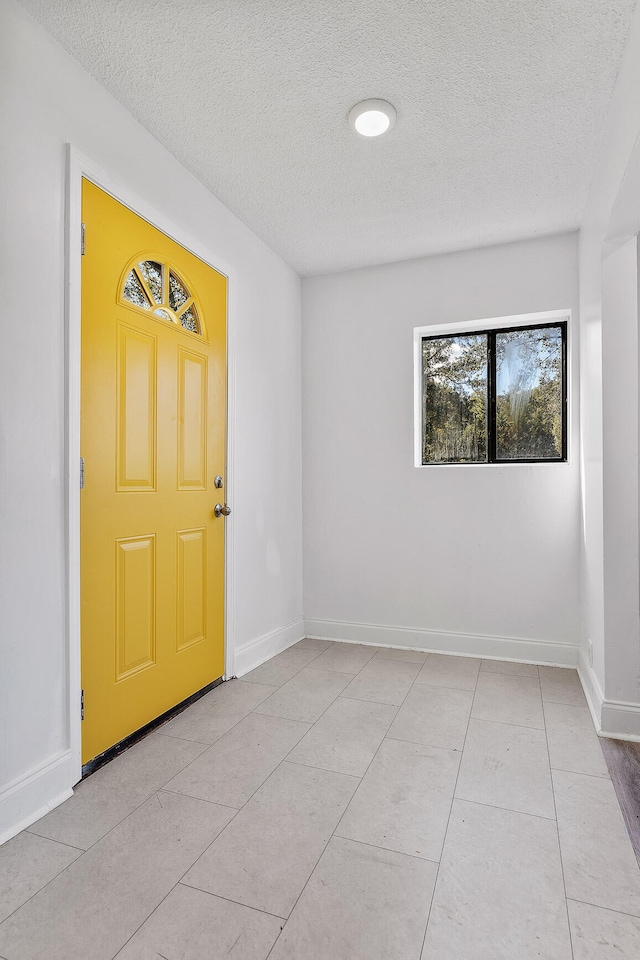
(234, 767)
(317, 646)
(306, 696)
(561, 685)
(599, 934)
(281, 668)
(383, 681)
(599, 863)
(361, 903)
(435, 716)
(404, 800)
(505, 699)
(346, 657)
(409, 656)
(27, 863)
(192, 925)
(346, 737)
(216, 713)
(295, 771)
(509, 668)
(266, 855)
(113, 792)
(442, 670)
(499, 894)
(506, 766)
(574, 744)
(93, 908)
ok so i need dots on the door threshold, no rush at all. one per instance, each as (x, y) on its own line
(92, 765)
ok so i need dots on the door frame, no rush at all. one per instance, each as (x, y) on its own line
(78, 167)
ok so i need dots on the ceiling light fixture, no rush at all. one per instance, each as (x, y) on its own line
(371, 118)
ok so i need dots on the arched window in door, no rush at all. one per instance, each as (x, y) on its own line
(155, 286)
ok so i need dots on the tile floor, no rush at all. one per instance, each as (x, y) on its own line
(341, 802)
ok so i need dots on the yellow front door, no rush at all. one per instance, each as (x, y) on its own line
(153, 420)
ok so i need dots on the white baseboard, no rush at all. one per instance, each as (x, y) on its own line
(620, 720)
(253, 654)
(29, 797)
(440, 641)
(615, 719)
(592, 690)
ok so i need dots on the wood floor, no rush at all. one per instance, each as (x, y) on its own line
(623, 761)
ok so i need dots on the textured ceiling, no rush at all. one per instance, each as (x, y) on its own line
(501, 106)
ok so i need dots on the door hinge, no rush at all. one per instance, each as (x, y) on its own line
(82, 705)
(82, 473)
(82, 235)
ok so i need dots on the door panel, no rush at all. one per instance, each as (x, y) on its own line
(153, 439)
(136, 437)
(192, 421)
(191, 587)
(135, 605)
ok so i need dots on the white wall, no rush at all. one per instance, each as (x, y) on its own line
(609, 389)
(47, 100)
(620, 474)
(474, 559)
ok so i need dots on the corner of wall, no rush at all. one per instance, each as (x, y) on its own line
(620, 720)
(591, 688)
(615, 719)
(258, 651)
(31, 796)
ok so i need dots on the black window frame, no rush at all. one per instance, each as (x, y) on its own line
(491, 334)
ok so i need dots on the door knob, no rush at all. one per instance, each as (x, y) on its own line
(221, 511)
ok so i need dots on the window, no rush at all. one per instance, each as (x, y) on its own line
(152, 285)
(496, 395)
